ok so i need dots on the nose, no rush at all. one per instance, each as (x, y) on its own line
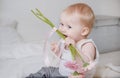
(62, 29)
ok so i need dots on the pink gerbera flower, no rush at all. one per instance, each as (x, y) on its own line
(74, 66)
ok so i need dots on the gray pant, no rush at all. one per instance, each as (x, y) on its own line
(47, 72)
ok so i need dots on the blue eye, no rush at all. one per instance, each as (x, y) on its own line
(69, 27)
(61, 24)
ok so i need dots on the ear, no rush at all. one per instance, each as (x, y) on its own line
(85, 31)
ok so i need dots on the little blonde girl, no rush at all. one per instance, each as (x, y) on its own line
(76, 22)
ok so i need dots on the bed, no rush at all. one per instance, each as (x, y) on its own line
(19, 58)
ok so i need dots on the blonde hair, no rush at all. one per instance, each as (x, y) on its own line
(83, 12)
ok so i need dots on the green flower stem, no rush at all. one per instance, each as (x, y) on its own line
(74, 52)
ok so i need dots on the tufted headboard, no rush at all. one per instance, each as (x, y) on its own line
(106, 33)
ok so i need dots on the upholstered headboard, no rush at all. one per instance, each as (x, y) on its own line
(106, 33)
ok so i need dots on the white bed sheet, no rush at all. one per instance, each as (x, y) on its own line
(20, 68)
(108, 64)
(22, 59)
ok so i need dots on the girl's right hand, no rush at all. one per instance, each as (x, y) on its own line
(54, 47)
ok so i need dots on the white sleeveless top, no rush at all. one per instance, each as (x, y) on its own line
(66, 56)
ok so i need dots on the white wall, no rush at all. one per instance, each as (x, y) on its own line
(32, 29)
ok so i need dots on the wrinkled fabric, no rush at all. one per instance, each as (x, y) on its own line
(47, 72)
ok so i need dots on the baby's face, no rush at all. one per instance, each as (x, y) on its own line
(71, 27)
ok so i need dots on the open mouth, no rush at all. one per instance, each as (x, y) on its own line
(65, 35)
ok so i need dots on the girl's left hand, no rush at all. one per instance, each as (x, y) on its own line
(69, 41)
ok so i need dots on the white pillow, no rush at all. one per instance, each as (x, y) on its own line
(8, 32)
(105, 60)
(111, 71)
(8, 22)
(9, 35)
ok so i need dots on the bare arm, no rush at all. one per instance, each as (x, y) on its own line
(88, 50)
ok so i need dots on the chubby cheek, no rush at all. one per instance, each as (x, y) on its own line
(76, 36)
(60, 29)
(72, 35)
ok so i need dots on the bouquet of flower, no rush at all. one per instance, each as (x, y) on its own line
(73, 51)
